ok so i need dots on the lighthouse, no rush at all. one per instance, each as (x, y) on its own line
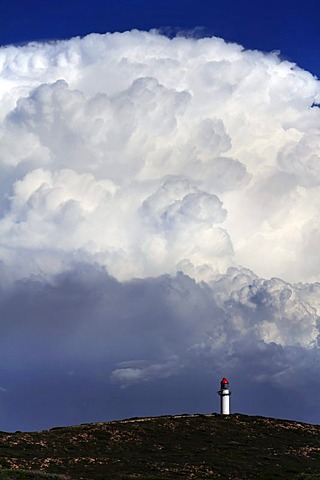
(224, 394)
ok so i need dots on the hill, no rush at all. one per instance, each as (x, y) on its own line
(169, 447)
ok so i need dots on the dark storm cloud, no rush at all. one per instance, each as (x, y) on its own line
(73, 341)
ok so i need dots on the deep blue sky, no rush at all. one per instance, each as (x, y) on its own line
(291, 26)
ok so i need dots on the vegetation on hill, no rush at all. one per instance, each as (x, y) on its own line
(18, 474)
(182, 447)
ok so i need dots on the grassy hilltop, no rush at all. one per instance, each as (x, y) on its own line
(171, 447)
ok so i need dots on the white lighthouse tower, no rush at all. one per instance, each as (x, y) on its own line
(224, 394)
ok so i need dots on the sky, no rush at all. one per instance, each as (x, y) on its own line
(288, 26)
(159, 195)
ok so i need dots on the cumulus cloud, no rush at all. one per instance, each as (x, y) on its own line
(133, 109)
(159, 212)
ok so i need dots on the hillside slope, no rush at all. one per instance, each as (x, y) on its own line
(170, 447)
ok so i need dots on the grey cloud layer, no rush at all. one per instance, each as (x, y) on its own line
(64, 340)
(141, 156)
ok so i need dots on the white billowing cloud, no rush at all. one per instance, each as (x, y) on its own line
(54, 213)
(273, 310)
(143, 156)
(134, 109)
(302, 160)
(137, 108)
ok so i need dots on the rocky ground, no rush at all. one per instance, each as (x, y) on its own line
(170, 447)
